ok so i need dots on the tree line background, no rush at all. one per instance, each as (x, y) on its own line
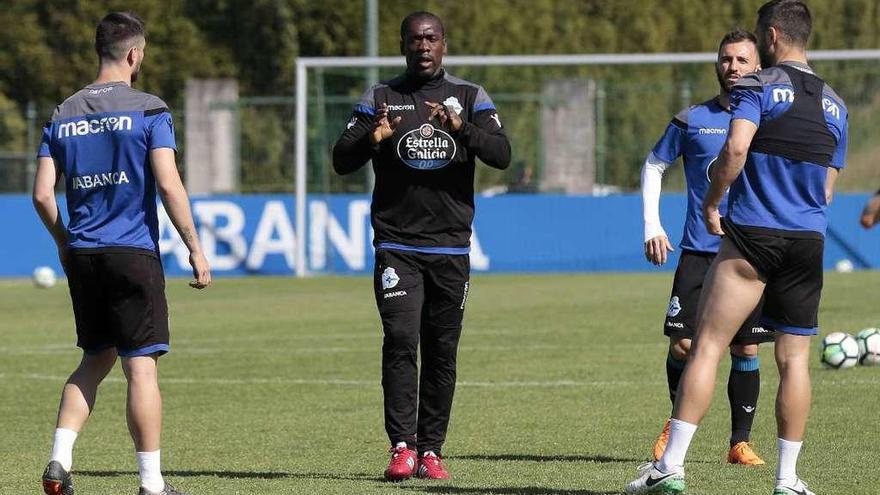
(46, 53)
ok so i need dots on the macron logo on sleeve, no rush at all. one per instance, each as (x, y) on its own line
(831, 108)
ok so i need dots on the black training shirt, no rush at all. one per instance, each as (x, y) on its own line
(424, 193)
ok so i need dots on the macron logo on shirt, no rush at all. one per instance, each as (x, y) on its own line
(712, 130)
(85, 127)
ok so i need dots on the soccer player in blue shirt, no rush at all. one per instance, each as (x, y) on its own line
(697, 134)
(786, 143)
(115, 147)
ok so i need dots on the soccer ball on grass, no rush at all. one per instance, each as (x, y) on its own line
(44, 277)
(869, 347)
(839, 350)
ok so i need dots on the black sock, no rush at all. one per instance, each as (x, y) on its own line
(674, 369)
(743, 387)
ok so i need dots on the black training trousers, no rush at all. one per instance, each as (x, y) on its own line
(421, 299)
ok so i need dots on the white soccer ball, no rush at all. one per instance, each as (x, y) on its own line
(839, 350)
(869, 347)
(844, 266)
(44, 277)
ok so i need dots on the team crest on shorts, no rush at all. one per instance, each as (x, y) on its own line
(389, 279)
(674, 307)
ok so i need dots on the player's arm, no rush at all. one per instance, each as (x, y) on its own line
(662, 155)
(43, 195)
(871, 213)
(176, 202)
(485, 137)
(355, 146)
(370, 124)
(728, 167)
(747, 108)
(830, 180)
(656, 241)
(45, 204)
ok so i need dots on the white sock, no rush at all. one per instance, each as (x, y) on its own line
(786, 469)
(62, 448)
(150, 471)
(680, 436)
(400, 445)
(429, 453)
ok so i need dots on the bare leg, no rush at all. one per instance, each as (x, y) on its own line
(732, 290)
(80, 391)
(144, 408)
(793, 398)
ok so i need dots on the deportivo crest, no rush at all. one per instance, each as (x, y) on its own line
(452, 102)
(426, 148)
(674, 307)
(389, 279)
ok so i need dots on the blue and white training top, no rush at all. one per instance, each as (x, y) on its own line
(697, 134)
(100, 139)
(802, 130)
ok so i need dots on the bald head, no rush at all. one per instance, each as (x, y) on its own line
(419, 17)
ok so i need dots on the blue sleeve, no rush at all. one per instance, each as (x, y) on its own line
(671, 145)
(746, 104)
(160, 131)
(838, 160)
(45, 149)
(367, 104)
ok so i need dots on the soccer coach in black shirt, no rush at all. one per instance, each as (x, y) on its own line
(423, 131)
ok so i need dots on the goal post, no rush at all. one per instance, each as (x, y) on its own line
(304, 64)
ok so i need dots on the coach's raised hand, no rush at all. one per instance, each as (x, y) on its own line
(446, 115)
(383, 126)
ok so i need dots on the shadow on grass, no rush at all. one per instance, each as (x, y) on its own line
(512, 490)
(189, 474)
(239, 475)
(601, 459)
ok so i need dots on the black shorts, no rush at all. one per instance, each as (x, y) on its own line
(118, 299)
(681, 315)
(433, 285)
(792, 264)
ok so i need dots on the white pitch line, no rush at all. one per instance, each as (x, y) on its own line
(342, 382)
(376, 383)
(191, 347)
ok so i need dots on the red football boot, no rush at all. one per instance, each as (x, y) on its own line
(431, 467)
(402, 465)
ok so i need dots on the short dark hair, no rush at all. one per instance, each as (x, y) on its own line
(115, 34)
(735, 36)
(791, 17)
(417, 16)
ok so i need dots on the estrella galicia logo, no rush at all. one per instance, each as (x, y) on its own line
(674, 307)
(426, 148)
(389, 278)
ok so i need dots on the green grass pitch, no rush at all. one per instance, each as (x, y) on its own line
(272, 387)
